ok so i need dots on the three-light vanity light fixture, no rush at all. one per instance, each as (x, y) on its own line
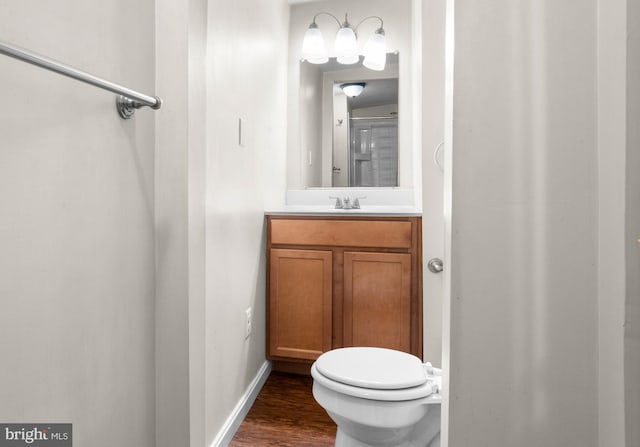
(346, 44)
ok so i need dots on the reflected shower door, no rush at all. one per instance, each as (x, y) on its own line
(373, 153)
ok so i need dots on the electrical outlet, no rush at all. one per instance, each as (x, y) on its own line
(249, 322)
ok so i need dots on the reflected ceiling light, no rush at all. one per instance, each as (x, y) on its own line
(353, 89)
(345, 44)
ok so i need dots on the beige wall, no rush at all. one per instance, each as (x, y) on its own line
(632, 298)
(180, 192)
(217, 62)
(612, 274)
(521, 348)
(77, 224)
(246, 78)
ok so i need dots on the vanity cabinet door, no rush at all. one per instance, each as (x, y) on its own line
(300, 295)
(377, 300)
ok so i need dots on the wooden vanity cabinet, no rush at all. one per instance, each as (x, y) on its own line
(341, 281)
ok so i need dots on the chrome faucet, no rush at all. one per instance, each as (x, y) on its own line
(345, 204)
(338, 205)
(356, 202)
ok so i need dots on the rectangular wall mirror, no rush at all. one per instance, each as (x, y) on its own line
(356, 110)
(372, 141)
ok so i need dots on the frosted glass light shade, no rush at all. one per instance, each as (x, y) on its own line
(346, 46)
(375, 51)
(353, 89)
(313, 49)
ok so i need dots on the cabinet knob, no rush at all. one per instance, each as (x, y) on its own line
(435, 265)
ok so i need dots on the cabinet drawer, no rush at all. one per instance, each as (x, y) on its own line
(350, 233)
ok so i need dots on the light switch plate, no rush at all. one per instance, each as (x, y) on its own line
(242, 130)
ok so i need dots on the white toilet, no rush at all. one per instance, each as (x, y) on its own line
(379, 397)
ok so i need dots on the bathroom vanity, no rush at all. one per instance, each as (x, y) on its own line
(342, 280)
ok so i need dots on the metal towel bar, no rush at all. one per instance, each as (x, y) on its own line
(127, 101)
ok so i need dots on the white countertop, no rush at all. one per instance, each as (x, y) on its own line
(373, 202)
(324, 210)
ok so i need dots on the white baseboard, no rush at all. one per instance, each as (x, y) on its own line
(231, 425)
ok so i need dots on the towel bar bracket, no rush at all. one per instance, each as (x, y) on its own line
(126, 106)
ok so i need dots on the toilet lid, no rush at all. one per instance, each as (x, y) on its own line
(375, 368)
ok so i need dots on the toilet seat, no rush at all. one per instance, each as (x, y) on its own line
(373, 373)
(377, 368)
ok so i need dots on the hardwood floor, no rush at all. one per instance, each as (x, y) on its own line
(285, 414)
